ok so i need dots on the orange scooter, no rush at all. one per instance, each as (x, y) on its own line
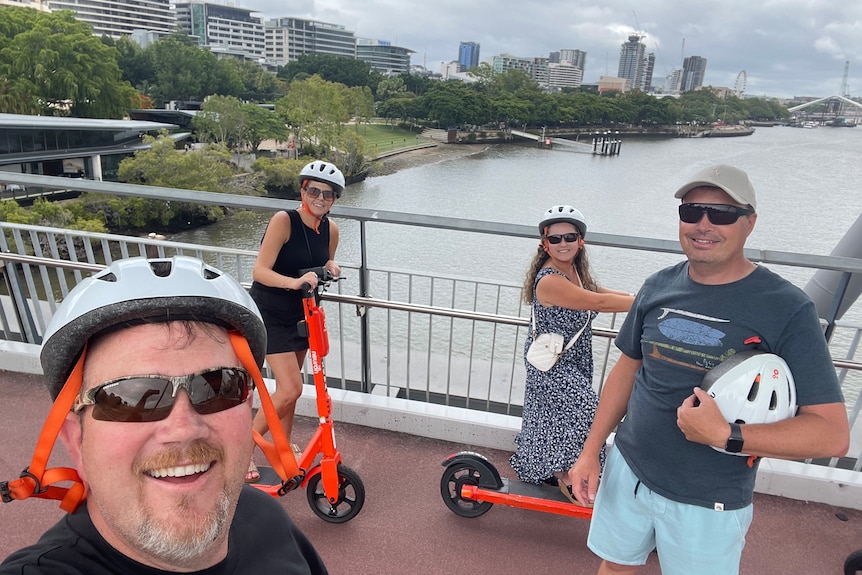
(471, 485)
(334, 491)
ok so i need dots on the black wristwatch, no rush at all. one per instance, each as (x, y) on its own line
(734, 442)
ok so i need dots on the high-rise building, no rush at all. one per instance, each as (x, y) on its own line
(383, 56)
(564, 75)
(468, 56)
(116, 18)
(574, 57)
(289, 38)
(693, 72)
(222, 29)
(635, 64)
(505, 62)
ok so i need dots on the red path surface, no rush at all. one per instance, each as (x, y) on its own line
(405, 528)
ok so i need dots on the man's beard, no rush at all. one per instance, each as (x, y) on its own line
(183, 545)
(184, 541)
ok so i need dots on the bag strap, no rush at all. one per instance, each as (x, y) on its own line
(571, 341)
(577, 335)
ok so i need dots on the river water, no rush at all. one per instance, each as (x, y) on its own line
(807, 181)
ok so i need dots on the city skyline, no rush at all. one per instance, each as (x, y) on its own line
(788, 48)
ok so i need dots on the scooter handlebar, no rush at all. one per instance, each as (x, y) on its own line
(323, 274)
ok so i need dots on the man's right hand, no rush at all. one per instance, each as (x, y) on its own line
(584, 476)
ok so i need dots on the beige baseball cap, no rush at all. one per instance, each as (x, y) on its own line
(732, 180)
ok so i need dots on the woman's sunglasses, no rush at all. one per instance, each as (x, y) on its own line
(328, 195)
(557, 238)
(141, 398)
(718, 214)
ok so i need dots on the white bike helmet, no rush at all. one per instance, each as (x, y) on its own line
(325, 172)
(752, 387)
(136, 289)
(563, 213)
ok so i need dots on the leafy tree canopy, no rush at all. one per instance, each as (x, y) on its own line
(51, 64)
(339, 69)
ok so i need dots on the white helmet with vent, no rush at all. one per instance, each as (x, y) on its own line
(325, 172)
(138, 289)
(563, 213)
(752, 387)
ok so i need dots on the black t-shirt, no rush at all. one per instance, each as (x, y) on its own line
(262, 540)
(304, 249)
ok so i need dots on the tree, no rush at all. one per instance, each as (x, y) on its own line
(258, 85)
(52, 64)
(164, 165)
(315, 109)
(185, 72)
(221, 120)
(262, 124)
(452, 103)
(360, 103)
(338, 69)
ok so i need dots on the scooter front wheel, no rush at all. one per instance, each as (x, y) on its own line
(454, 477)
(351, 496)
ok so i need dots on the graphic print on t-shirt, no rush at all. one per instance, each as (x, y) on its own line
(688, 333)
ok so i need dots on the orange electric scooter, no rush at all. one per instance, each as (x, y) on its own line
(471, 485)
(334, 491)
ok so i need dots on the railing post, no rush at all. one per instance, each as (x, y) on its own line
(364, 325)
(24, 318)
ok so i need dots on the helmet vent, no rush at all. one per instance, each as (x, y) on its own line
(108, 277)
(161, 269)
(773, 401)
(211, 274)
(755, 387)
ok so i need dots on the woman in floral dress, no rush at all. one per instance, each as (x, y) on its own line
(559, 404)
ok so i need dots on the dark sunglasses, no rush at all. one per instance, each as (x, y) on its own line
(557, 238)
(328, 195)
(139, 398)
(718, 214)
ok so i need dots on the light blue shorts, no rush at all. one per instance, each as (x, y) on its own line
(630, 520)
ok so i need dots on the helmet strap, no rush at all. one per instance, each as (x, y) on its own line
(36, 480)
(278, 452)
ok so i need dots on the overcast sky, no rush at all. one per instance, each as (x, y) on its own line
(787, 47)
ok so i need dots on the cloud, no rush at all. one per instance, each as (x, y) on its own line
(787, 47)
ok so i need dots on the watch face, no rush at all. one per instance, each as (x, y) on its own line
(733, 445)
(734, 442)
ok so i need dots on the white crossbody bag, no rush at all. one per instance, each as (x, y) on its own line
(547, 348)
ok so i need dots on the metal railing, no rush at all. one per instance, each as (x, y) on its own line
(407, 333)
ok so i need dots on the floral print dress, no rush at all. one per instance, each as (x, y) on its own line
(559, 404)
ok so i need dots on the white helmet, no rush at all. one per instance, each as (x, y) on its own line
(563, 213)
(138, 289)
(752, 387)
(325, 172)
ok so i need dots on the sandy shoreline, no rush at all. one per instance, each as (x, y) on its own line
(416, 158)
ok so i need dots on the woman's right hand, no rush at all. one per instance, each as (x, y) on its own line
(309, 278)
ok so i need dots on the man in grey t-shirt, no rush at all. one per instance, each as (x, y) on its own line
(664, 487)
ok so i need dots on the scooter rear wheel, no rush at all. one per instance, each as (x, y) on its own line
(351, 496)
(454, 477)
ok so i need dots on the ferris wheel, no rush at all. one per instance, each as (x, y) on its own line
(739, 85)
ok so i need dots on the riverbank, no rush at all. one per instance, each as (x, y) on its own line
(415, 158)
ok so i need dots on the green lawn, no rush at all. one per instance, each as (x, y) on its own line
(384, 138)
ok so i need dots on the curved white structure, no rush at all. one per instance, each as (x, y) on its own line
(823, 286)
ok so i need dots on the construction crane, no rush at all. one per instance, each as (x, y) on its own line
(845, 88)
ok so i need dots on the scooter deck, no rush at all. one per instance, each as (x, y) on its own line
(268, 476)
(546, 498)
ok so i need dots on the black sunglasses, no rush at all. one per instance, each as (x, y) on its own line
(557, 238)
(140, 398)
(718, 214)
(328, 195)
